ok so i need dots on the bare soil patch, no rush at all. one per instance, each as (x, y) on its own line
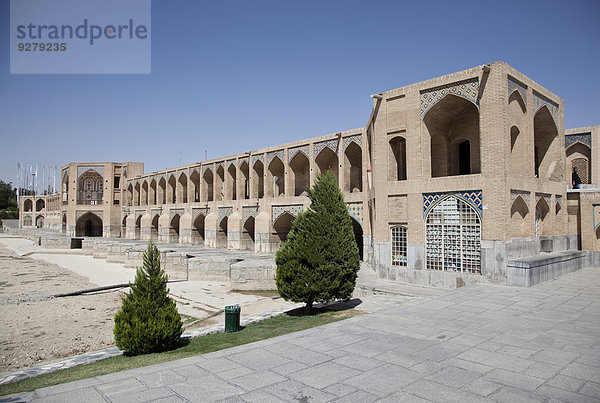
(37, 327)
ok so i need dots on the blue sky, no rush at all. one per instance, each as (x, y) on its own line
(233, 76)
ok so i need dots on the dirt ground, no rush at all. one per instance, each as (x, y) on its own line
(37, 327)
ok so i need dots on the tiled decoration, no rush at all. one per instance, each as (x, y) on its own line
(467, 89)
(320, 146)
(273, 154)
(355, 209)
(514, 85)
(546, 196)
(516, 193)
(257, 157)
(540, 101)
(197, 211)
(224, 212)
(278, 211)
(583, 138)
(83, 169)
(352, 139)
(472, 197)
(244, 159)
(220, 165)
(293, 151)
(207, 167)
(174, 212)
(230, 162)
(79, 214)
(249, 211)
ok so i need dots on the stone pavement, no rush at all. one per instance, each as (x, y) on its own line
(478, 343)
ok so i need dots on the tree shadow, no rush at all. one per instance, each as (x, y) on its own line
(335, 306)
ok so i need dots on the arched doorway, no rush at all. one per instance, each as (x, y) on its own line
(123, 227)
(326, 160)
(453, 236)
(198, 234)
(40, 205)
(174, 229)
(28, 205)
(258, 183)
(546, 145)
(397, 159)
(154, 227)
(358, 236)
(39, 221)
(300, 169)
(451, 122)
(138, 227)
(248, 234)
(222, 234)
(353, 170)
(281, 228)
(88, 224)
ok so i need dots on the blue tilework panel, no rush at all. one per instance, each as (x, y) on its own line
(257, 157)
(224, 212)
(514, 85)
(320, 146)
(352, 139)
(278, 211)
(242, 160)
(197, 211)
(249, 211)
(273, 154)
(472, 197)
(293, 151)
(540, 101)
(583, 138)
(467, 89)
(355, 209)
(231, 162)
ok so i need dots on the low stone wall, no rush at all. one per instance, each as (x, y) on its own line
(532, 270)
(254, 274)
(56, 242)
(210, 268)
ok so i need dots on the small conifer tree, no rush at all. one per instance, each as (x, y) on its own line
(319, 261)
(148, 320)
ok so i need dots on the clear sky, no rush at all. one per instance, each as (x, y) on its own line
(235, 76)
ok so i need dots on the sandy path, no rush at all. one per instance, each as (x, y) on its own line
(35, 326)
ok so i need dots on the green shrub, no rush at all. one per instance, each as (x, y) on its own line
(319, 261)
(148, 320)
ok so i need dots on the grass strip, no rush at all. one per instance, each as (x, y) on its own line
(293, 321)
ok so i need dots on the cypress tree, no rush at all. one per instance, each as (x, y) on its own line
(148, 320)
(319, 261)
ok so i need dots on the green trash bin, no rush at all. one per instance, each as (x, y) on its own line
(232, 318)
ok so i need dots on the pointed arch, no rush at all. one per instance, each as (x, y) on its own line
(129, 195)
(358, 236)
(28, 205)
(154, 227)
(152, 193)
(282, 226)
(453, 236)
(171, 190)
(326, 160)
(63, 227)
(182, 188)
(136, 194)
(162, 191)
(195, 180)
(258, 181)
(546, 145)
(245, 178)
(220, 183)
(207, 188)
(144, 193)
(276, 178)
(519, 225)
(300, 169)
(231, 183)
(397, 159)
(451, 122)
(222, 233)
(248, 233)
(40, 204)
(579, 156)
(138, 227)
(89, 224)
(542, 227)
(353, 168)
(198, 229)
(174, 229)
(123, 227)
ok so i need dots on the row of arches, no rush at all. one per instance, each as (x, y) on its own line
(245, 182)
(40, 204)
(520, 224)
(169, 229)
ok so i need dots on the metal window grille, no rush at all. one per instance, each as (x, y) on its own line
(453, 237)
(399, 245)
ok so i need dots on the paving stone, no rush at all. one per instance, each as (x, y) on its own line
(323, 375)
(440, 393)
(513, 379)
(358, 362)
(358, 396)
(234, 373)
(582, 372)
(258, 359)
(288, 368)
(454, 377)
(160, 378)
(566, 382)
(591, 389)
(468, 365)
(483, 387)
(66, 387)
(292, 391)
(340, 389)
(257, 380)
(192, 371)
(304, 356)
(87, 395)
(542, 370)
(560, 394)
(206, 387)
(494, 359)
(378, 381)
(402, 397)
(258, 396)
(128, 385)
(145, 396)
